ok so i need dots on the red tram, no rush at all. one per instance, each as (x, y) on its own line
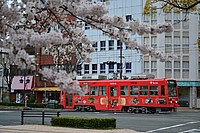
(130, 95)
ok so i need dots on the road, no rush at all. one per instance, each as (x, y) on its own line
(175, 122)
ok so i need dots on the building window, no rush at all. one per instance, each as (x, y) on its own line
(86, 68)
(185, 42)
(44, 51)
(176, 69)
(168, 40)
(177, 64)
(102, 68)
(199, 67)
(154, 42)
(128, 67)
(177, 48)
(103, 45)
(119, 44)
(118, 67)
(185, 69)
(111, 68)
(168, 48)
(94, 68)
(146, 71)
(168, 16)
(128, 17)
(168, 65)
(154, 67)
(168, 73)
(87, 27)
(146, 64)
(111, 44)
(95, 46)
(146, 40)
(79, 68)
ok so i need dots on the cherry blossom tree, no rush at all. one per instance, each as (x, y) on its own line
(27, 22)
(167, 5)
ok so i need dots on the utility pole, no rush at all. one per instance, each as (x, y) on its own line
(120, 56)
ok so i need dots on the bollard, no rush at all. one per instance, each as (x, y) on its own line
(22, 117)
(43, 117)
(58, 114)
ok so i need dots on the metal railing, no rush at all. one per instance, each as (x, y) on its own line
(36, 113)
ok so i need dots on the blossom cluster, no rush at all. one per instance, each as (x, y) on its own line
(29, 22)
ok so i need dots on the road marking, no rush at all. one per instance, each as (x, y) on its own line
(164, 128)
(187, 131)
(5, 111)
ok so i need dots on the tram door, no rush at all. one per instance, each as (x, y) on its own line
(113, 98)
(69, 103)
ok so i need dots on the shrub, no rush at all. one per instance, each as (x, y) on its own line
(82, 122)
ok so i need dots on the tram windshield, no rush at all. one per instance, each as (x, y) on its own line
(172, 88)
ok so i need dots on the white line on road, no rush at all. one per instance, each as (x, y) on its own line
(5, 111)
(164, 128)
(187, 131)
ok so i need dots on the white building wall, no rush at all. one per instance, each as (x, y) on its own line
(193, 48)
(119, 8)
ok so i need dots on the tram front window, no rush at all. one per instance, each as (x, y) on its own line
(172, 88)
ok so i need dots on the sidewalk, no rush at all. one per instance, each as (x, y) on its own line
(52, 129)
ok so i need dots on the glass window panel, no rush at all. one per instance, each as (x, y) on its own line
(134, 90)
(113, 91)
(102, 45)
(168, 73)
(176, 73)
(185, 73)
(128, 67)
(124, 90)
(153, 90)
(94, 90)
(86, 68)
(94, 68)
(102, 68)
(111, 44)
(143, 90)
(102, 90)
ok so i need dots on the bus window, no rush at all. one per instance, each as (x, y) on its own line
(113, 91)
(124, 90)
(143, 90)
(171, 88)
(102, 90)
(162, 90)
(153, 90)
(134, 90)
(94, 90)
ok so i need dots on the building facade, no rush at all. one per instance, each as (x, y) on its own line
(181, 42)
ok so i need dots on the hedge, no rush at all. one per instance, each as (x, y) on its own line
(82, 122)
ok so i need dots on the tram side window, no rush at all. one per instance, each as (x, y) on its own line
(153, 90)
(94, 90)
(162, 90)
(102, 90)
(143, 90)
(134, 90)
(124, 90)
(113, 91)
